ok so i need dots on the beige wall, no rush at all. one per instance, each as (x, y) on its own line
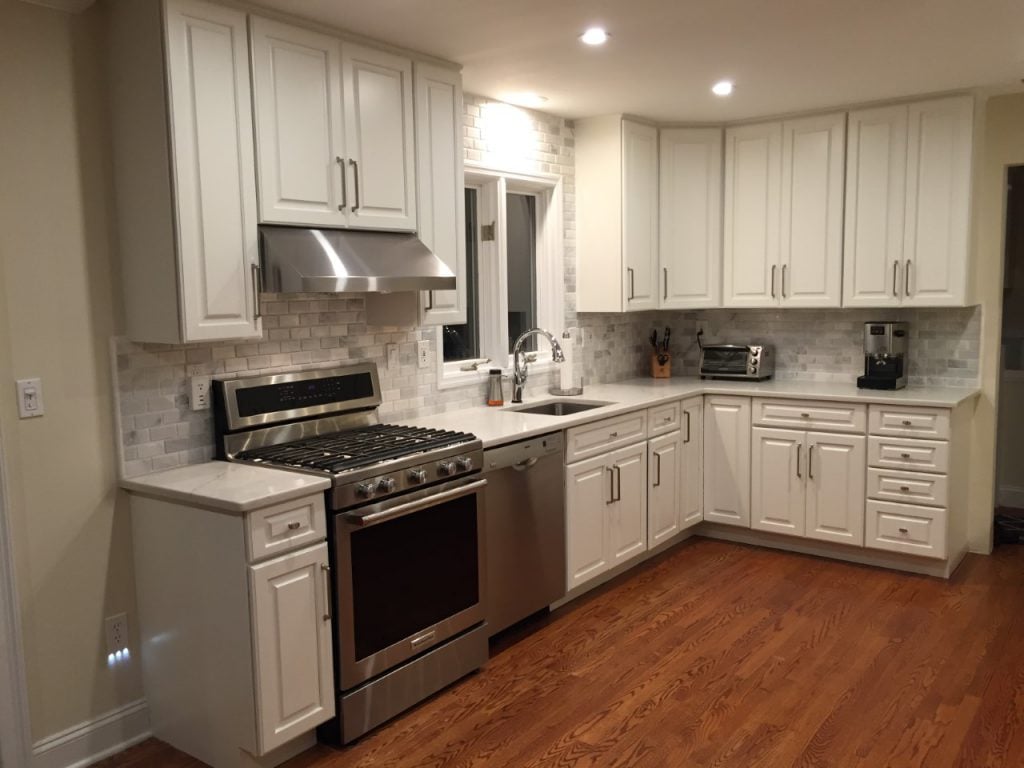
(71, 537)
(1002, 145)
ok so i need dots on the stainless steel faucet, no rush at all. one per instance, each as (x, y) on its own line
(519, 372)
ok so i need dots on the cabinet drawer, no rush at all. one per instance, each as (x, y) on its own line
(810, 414)
(275, 530)
(909, 421)
(915, 455)
(663, 419)
(594, 439)
(906, 528)
(910, 487)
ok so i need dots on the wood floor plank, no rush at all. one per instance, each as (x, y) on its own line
(725, 655)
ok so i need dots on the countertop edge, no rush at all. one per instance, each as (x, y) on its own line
(138, 486)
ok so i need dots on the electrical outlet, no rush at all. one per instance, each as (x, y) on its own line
(392, 353)
(702, 327)
(117, 634)
(200, 399)
(423, 354)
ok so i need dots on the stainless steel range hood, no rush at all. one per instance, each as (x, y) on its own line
(298, 260)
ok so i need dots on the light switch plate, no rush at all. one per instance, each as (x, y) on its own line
(392, 353)
(30, 398)
(423, 353)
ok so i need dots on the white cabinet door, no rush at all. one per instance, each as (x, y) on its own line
(214, 176)
(299, 133)
(640, 215)
(876, 171)
(935, 244)
(664, 499)
(379, 142)
(690, 206)
(813, 154)
(441, 200)
(777, 481)
(294, 674)
(753, 168)
(588, 494)
(727, 460)
(692, 472)
(627, 528)
(836, 487)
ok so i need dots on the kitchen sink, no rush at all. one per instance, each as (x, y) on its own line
(559, 407)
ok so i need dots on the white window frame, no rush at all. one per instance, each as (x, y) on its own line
(492, 260)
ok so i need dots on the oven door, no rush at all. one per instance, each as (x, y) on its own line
(409, 576)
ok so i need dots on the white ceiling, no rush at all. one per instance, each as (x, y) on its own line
(785, 55)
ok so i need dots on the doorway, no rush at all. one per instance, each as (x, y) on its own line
(1010, 457)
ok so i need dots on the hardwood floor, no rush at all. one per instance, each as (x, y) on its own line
(719, 654)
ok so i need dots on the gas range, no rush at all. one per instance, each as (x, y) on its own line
(324, 422)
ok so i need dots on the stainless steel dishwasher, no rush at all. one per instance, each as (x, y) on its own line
(525, 524)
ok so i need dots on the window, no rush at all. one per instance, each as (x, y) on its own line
(513, 272)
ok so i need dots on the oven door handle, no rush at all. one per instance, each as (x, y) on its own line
(401, 510)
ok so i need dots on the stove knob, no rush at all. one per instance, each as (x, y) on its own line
(446, 467)
(465, 463)
(417, 476)
(366, 489)
(386, 485)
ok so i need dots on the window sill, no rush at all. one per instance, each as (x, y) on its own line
(457, 379)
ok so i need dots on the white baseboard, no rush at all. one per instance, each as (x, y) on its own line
(1011, 496)
(87, 742)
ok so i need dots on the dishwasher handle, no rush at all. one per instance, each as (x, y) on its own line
(524, 454)
(525, 465)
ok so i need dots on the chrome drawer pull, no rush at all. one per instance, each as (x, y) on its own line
(904, 530)
(905, 488)
(905, 455)
(612, 435)
(907, 422)
(294, 526)
(806, 415)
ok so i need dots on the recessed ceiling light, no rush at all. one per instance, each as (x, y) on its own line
(526, 99)
(595, 36)
(722, 88)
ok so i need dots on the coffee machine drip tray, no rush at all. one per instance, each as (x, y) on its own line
(880, 382)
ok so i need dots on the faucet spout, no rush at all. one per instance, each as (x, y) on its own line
(519, 370)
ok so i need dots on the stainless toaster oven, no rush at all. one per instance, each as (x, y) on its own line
(736, 361)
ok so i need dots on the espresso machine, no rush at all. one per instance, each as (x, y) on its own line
(885, 356)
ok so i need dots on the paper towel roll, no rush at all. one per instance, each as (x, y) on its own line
(568, 344)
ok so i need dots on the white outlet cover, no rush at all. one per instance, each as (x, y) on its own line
(117, 632)
(200, 398)
(392, 354)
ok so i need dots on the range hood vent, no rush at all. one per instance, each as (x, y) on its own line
(298, 260)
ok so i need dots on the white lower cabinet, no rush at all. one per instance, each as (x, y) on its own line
(777, 481)
(665, 496)
(727, 460)
(628, 525)
(691, 494)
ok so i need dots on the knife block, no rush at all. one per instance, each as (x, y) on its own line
(661, 370)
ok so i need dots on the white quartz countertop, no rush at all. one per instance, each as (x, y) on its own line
(496, 426)
(226, 486)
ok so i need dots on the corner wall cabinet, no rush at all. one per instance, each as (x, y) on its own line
(183, 170)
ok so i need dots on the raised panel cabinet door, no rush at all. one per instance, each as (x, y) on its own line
(588, 495)
(727, 460)
(753, 170)
(836, 477)
(690, 220)
(296, 75)
(213, 171)
(777, 480)
(876, 172)
(813, 156)
(627, 528)
(290, 598)
(692, 473)
(379, 141)
(640, 216)
(664, 499)
(935, 245)
(440, 201)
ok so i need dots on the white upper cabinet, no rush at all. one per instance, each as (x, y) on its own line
(181, 115)
(876, 169)
(811, 254)
(935, 241)
(690, 208)
(300, 136)
(379, 144)
(617, 215)
(908, 196)
(439, 176)
(753, 173)
(334, 131)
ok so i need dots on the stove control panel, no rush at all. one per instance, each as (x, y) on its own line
(398, 481)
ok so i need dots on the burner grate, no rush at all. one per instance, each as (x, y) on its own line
(355, 448)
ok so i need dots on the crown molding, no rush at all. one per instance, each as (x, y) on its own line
(68, 6)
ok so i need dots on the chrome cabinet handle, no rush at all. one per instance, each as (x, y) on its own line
(906, 280)
(665, 275)
(294, 526)
(687, 414)
(629, 274)
(904, 455)
(325, 571)
(810, 462)
(895, 279)
(618, 483)
(344, 184)
(905, 488)
(355, 172)
(907, 422)
(657, 462)
(799, 450)
(773, 281)
(430, 300)
(256, 311)
(611, 485)
(784, 280)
